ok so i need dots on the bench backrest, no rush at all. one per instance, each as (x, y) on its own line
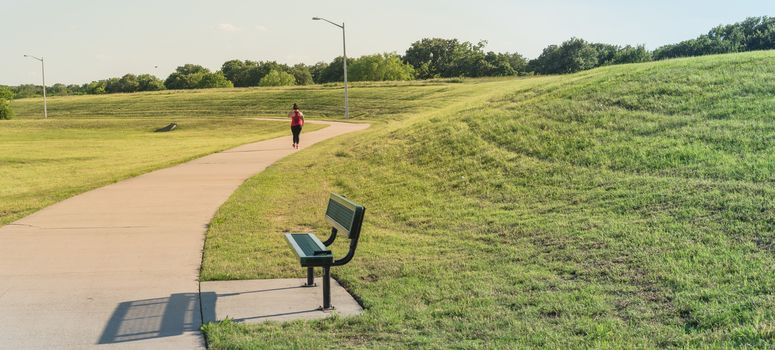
(345, 215)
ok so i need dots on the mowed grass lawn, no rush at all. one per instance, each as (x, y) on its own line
(91, 141)
(45, 161)
(624, 207)
(373, 101)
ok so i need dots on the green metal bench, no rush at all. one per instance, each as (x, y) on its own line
(344, 216)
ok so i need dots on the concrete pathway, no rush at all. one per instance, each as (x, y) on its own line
(117, 267)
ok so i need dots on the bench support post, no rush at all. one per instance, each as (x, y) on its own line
(326, 287)
(310, 277)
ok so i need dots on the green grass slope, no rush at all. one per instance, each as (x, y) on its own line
(623, 207)
(91, 141)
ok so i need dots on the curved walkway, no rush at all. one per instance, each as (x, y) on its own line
(118, 267)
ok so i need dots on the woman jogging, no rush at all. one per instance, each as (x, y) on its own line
(297, 121)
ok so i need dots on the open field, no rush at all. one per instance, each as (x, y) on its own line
(627, 206)
(623, 207)
(367, 101)
(45, 161)
(90, 141)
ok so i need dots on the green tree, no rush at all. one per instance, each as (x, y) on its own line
(571, 56)
(234, 71)
(605, 53)
(27, 90)
(6, 93)
(437, 57)
(302, 74)
(97, 87)
(75, 89)
(754, 33)
(57, 89)
(496, 65)
(631, 54)
(5, 109)
(189, 68)
(334, 71)
(214, 80)
(392, 67)
(431, 56)
(112, 86)
(317, 70)
(518, 62)
(148, 82)
(128, 83)
(380, 67)
(277, 78)
(250, 73)
(187, 76)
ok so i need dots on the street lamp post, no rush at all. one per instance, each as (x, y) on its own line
(43, 71)
(344, 51)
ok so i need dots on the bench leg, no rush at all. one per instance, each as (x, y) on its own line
(310, 277)
(326, 287)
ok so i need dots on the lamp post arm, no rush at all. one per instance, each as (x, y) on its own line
(336, 24)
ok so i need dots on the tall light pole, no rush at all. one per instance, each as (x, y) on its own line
(43, 71)
(344, 51)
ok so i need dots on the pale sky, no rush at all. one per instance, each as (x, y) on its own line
(85, 40)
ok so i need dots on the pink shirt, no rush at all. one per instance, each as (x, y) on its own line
(297, 118)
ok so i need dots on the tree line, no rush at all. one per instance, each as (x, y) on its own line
(752, 34)
(429, 58)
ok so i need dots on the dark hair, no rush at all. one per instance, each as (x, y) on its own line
(295, 106)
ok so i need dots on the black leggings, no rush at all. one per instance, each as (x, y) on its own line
(296, 130)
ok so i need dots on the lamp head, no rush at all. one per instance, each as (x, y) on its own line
(315, 18)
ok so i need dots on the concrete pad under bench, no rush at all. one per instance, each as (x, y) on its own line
(254, 301)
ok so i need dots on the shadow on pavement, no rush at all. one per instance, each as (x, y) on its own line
(209, 301)
(154, 318)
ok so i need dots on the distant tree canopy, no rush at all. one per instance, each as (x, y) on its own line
(334, 71)
(147, 82)
(302, 74)
(577, 54)
(127, 83)
(316, 71)
(631, 54)
(277, 78)
(437, 57)
(425, 59)
(752, 34)
(379, 67)
(192, 76)
(96, 87)
(27, 90)
(250, 73)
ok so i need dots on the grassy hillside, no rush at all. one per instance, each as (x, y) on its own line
(367, 100)
(624, 207)
(91, 141)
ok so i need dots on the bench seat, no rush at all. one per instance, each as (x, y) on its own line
(311, 251)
